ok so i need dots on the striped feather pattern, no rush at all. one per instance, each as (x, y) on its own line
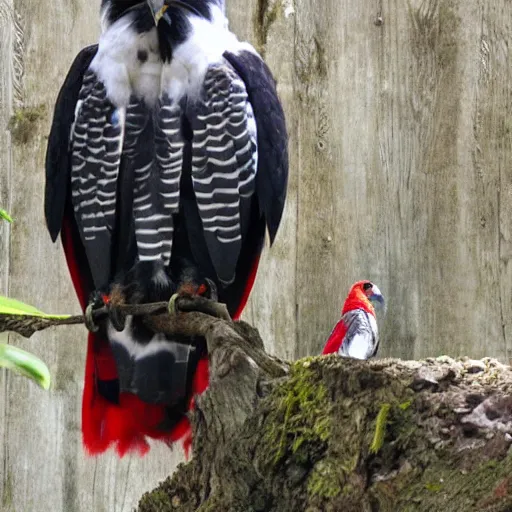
(224, 164)
(362, 337)
(154, 146)
(149, 141)
(96, 141)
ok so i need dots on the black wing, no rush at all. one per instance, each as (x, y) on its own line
(108, 161)
(129, 163)
(272, 176)
(224, 159)
(58, 162)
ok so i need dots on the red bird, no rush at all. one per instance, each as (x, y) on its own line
(356, 334)
(167, 162)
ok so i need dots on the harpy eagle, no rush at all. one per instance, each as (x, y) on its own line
(166, 164)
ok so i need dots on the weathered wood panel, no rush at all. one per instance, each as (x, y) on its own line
(272, 306)
(401, 157)
(400, 143)
(6, 43)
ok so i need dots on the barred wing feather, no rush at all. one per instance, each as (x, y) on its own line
(361, 340)
(224, 164)
(154, 148)
(149, 144)
(96, 146)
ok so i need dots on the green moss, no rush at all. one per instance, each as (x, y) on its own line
(156, 501)
(484, 488)
(23, 123)
(491, 464)
(380, 428)
(302, 416)
(403, 425)
(393, 421)
(405, 405)
(323, 480)
(433, 486)
(311, 451)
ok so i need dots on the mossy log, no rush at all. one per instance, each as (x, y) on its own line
(331, 434)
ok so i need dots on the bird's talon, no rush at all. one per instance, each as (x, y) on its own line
(213, 295)
(89, 320)
(172, 309)
(116, 317)
(117, 320)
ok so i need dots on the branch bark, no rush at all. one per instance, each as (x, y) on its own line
(27, 325)
(330, 434)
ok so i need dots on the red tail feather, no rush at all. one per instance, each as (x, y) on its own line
(127, 424)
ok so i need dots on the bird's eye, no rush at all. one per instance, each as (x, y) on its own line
(367, 286)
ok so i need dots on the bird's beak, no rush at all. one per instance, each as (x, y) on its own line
(158, 8)
(377, 299)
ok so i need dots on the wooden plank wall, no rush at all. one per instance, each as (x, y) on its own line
(400, 142)
(399, 115)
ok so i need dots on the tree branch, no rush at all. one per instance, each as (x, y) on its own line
(27, 325)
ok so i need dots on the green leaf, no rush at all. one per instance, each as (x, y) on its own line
(10, 306)
(5, 215)
(26, 364)
(15, 307)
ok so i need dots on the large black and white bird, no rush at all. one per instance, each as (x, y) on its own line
(167, 161)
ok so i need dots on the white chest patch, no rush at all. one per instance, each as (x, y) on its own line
(362, 335)
(205, 46)
(129, 63)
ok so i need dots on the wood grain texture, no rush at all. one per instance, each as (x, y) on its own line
(7, 48)
(400, 171)
(273, 303)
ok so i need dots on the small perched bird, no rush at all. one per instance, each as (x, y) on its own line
(356, 334)
(166, 163)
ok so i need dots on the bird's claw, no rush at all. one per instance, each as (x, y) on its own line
(212, 290)
(89, 320)
(171, 308)
(116, 317)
